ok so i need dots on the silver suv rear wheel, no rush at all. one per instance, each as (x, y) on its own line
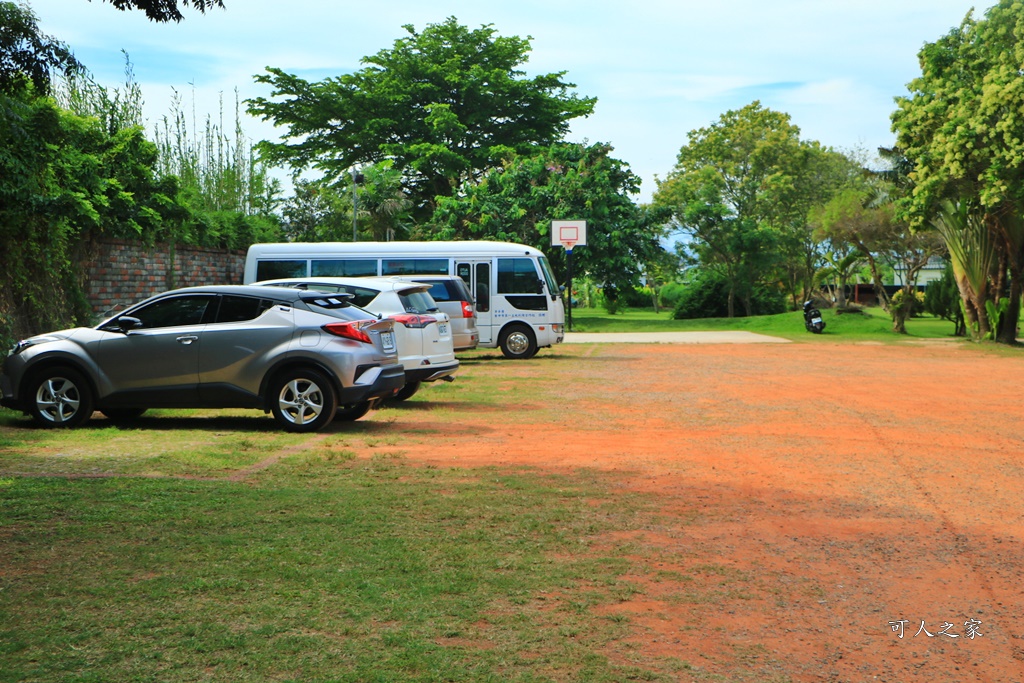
(304, 400)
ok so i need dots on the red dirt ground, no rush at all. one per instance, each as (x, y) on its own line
(813, 500)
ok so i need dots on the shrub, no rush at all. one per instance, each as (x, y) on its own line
(637, 297)
(708, 297)
(917, 305)
(610, 299)
(671, 293)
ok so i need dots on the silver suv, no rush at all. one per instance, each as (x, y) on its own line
(306, 357)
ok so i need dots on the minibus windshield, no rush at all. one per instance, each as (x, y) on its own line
(545, 268)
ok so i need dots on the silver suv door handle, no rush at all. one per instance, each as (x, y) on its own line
(187, 339)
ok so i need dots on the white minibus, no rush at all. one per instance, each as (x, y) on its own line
(518, 304)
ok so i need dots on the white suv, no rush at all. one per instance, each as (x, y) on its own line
(452, 296)
(423, 332)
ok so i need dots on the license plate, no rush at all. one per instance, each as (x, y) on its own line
(442, 328)
(815, 321)
(387, 340)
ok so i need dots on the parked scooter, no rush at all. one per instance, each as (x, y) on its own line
(812, 318)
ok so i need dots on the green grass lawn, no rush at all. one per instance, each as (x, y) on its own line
(328, 570)
(166, 553)
(873, 324)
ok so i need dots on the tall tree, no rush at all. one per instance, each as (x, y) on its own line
(445, 105)
(822, 174)
(165, 10)
(962, 127)
(732, 190)
(865, 218)
(26, 54)
(517, 202)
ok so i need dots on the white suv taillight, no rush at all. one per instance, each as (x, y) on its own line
(467, 310)
(414, 321)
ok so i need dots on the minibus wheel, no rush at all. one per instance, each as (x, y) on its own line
(517, 342)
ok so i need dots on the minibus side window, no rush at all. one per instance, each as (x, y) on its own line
(275, 269)
(463, 271)
(414, 266)
(343, 267)
(517, 276)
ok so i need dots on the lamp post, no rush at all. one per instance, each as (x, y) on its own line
(356, 179)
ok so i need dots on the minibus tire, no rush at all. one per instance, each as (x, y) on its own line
(517, 342)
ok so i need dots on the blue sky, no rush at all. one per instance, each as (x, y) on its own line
(658, 68)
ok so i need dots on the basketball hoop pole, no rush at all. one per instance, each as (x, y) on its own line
(568, 234)
(568, 264)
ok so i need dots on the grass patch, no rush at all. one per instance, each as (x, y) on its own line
(166, 443)
(873, 324)
(337, 569)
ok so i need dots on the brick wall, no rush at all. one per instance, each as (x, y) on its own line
(119, 273)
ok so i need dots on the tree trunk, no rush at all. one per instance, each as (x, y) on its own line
(876, 279)
(841, 294)
(1007, 333)
(748, 306)
(976, 320)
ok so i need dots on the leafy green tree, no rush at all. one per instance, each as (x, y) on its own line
(322, 212)
(165, 10)
(517, 202)
(64, 181)
(445, 106)
(733, 189)
(805, 258)
(962, 127)
(973, 255)
(383, 206)
(660, 270)
(28, 56)
(865, 217)
(315, 213)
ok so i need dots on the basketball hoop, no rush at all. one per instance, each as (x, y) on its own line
(568, 234)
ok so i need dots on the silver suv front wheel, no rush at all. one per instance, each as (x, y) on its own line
(303, 401)
(61, 397)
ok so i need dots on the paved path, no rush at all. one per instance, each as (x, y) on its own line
(672, 338)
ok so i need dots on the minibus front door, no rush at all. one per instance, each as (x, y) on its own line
(477, 275)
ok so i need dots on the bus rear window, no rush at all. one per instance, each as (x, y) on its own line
(277, 269)
(414, 266)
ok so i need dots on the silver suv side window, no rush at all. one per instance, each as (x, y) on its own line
(173, 312)
(236, 309)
